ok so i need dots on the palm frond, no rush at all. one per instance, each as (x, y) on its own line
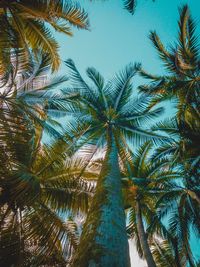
(130, 5)
(122, 87)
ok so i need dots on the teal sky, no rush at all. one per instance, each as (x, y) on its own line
(117, 38)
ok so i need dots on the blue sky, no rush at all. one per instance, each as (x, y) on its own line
(117, 38)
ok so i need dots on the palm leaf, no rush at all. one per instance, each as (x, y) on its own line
(130, 5)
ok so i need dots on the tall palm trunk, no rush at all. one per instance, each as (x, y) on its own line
(143, 237)
(104, 240)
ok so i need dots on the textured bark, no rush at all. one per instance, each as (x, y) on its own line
(143, 237)
(104, 241)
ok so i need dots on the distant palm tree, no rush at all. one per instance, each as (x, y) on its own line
(182, 64)
(184, 197)
(112, 118)
(182, 83)
(157, 192)
(143, 180)
(24, 24)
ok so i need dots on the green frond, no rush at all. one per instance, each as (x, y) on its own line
(165, 56)
(122, 88)
(50, 230)
(168, 126)
(96, 77)
(76, 15)
(77, 81)
(187, 40)
(66, 188)
(140, 158)
(27, 27)
(42, 37)
(147, 75)
(166, 150)
(137, 136)
(193, 40)
(163, 253)
(70, 12)
(130, 5)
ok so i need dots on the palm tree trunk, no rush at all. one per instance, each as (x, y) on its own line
(104, 241)
(143, 237)
(177, 256)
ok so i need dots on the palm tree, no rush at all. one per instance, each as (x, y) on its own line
(25, 24)
(160, 199)
(27, 198)
(143, 180)
(36, 197)
(182, 84)
(182, 64)
(184, 197)
(112, 118)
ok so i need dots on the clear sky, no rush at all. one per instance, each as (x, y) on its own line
(117, 38)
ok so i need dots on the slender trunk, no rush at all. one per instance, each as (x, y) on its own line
(104, 241)
(143, 237)
(176, 252)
